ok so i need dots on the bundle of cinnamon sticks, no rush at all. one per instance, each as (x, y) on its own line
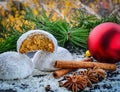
(68, 66)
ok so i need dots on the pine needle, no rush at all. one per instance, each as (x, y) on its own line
(75, 36)
(10, 43)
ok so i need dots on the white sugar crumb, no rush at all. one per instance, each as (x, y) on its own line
(39, 80)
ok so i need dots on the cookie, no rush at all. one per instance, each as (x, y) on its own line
(14, 65)
(34, 40)
(45, 61)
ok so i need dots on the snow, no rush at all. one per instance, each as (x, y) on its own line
(39, 80)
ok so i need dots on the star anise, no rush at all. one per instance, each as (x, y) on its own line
(100, 72)
(75, 82)
(90, 75)
(86, 78)
(82, 82)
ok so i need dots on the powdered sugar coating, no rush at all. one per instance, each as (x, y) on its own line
(14, 65)
(33, 32)
(45, 61)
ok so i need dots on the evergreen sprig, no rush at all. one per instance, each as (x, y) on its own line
(63, 32)
(78, 37)
(87, 21)
(10, 43)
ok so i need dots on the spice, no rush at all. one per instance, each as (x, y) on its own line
(74, 82)
(61, 72)
(81, 64)
(47, 88)
(90, 76)
(86, 78)
(100, 72)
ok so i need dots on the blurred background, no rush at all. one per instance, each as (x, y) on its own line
(70, 21)
(64, 8)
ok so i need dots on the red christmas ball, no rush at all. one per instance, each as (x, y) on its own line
(104, 42)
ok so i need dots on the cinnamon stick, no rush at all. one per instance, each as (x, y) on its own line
(79, 64)
(61, 72)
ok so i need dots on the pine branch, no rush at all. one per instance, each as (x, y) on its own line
(10, 43)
